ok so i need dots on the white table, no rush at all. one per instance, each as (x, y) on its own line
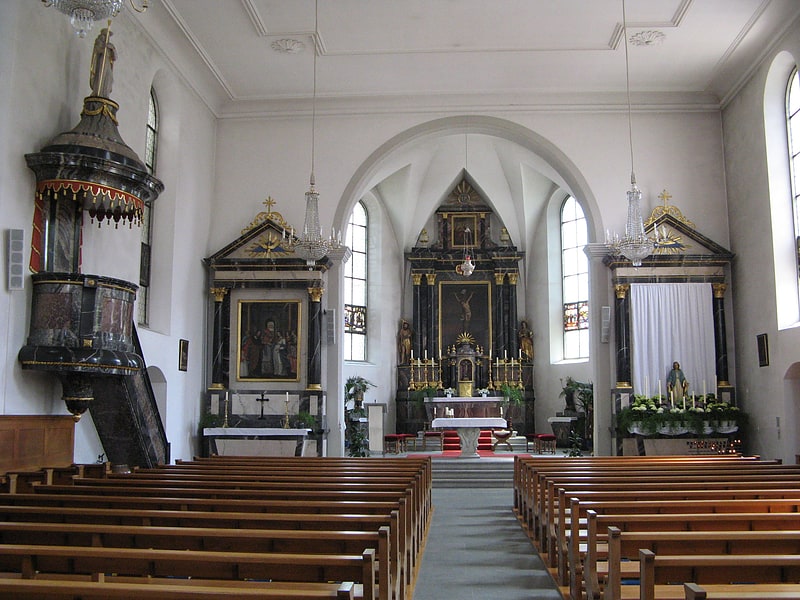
(256, 441)
(469, 429)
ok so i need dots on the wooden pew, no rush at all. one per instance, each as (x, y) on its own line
(657, 572)
(586, 571)
(253, 541)
(580, 509)
(586, 498)
(187, 589)
(764, 591)
(412, 529)
(29, 561)
(624, 546)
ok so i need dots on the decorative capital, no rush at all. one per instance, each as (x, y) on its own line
(218, 293)
(499, 278)
(430, 278)
(513, 276)
(416, 278)
(621, 290)
(719, 289)
(316, 293)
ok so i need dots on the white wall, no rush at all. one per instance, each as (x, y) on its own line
(763, 391)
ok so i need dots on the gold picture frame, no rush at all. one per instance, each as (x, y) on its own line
(268, 340)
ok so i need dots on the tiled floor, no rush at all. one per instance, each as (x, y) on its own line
(476, 550)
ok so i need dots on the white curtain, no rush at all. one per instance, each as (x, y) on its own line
(672, 322)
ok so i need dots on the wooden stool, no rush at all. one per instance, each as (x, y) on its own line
(547, 443)
(408, 437)
(501, 437)
(431, 435)
(393, 441)
(532, 439)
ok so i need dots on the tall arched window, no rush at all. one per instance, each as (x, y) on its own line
(793, 128)
(355, 286)
(574, 280)
(150, 153)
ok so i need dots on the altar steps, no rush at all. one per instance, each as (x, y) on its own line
(485, 472)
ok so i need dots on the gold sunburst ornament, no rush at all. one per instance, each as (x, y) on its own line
(465, 338)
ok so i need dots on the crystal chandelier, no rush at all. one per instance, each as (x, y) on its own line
(83, 13)
(310, 245)
(635, 245)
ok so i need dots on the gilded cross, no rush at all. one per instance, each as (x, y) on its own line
(269, 203)
(664, 197)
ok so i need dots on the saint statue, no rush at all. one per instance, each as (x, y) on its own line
(525, 336)
(404, 343)
(677, 385)
(103, 57)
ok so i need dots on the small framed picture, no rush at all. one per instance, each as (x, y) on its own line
(183, 355)
(763, 349)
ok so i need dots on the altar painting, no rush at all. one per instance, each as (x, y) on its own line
(268, 340)
(465, 307)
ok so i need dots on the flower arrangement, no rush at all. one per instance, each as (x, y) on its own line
(702, 415)
(483, 392)
(449, 392)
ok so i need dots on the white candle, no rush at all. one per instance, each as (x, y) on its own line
(498, 362)
(684, 403)
(520, 353)
(672, 398)
(226, 396)
(426, 354)
(287, 397)
(693, 399)
(704, 389)
(412, 354)
(505, 354)
(658, 388)
(647, 385)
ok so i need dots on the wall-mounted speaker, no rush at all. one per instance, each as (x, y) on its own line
(330, 326)
(15, 251)
(605, 323)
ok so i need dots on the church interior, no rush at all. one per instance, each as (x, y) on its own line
(502, 201)
(376, 300)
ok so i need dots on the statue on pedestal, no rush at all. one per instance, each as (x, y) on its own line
(677, 385)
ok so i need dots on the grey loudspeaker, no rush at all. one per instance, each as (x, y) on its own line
(605, 323)
(330, 326)
(15, 247)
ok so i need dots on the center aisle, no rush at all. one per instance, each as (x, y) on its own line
(476, 550)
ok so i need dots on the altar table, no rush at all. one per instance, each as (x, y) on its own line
(256, 441)
(469, 429)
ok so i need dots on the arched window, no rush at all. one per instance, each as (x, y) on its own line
(355, 286)
(150, 153)
(793, 129)
(574, 280)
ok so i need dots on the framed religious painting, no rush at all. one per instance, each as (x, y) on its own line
(463, 229)
(465, 307)
(268, 340)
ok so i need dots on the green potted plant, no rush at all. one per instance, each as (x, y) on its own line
(354, 389)
(512, 394)
(355, 436)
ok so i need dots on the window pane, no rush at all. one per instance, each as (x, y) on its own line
(575, 278)
(359, 347)
(355, 284)
(359, 265)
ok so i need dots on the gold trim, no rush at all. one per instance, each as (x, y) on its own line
(316, 387)
(513, 277)
(218, 293)
(430, 278)
(94, 368)
(216, 386)
(416, 278)
(269, 215)
(316, 293)
(624, 384)
(621, 290)
(719, 289)
(667, 209)
(499, 278)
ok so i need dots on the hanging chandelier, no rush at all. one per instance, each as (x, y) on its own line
(83, 13)
(635, 245)
(467, 267)
(310, 244)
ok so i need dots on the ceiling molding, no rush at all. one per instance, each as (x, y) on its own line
(255, 18)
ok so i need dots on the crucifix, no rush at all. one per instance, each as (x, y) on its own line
(262, 400)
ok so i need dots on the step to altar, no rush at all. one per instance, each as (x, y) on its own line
(484, 472)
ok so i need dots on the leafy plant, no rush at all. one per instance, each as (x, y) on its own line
(210, 420)
(514, 394)
(419, 395)
(306, 419)
(355, 386)
(578, 395)
(575, 446)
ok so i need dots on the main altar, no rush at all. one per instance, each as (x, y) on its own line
(465, 337)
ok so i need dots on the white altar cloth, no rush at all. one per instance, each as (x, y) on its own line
(469, 428)
(256, 441)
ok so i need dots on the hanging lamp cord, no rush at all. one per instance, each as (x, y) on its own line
(628, 89)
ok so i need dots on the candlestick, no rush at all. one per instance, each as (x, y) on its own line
(505, 354)
(412, 355)
(426, 354)
(658, 389)
(520, 353)
(704, 389)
